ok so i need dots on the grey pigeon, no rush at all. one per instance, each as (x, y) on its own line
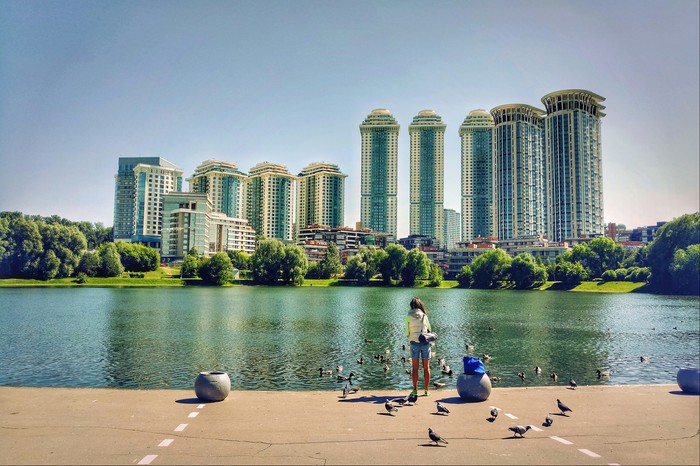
(400, 401)
(441, 408)
(494, 413)
(572, 383)
(435, 437)
(412, 398)
(563, 408)
(519, 430)
(390, 408)
(355, 388)
(346, 390)
(548, 421)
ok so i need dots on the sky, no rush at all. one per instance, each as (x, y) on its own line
(83, 83)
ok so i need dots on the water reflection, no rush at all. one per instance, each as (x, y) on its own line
(277, 338)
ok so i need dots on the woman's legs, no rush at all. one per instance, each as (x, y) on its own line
(426, 374)
(414, 372)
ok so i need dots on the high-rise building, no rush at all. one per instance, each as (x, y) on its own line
(427, 179)
(224, 183)
(186, 218)
(476, 134)
(379, 171)
(573, 161)
(320, 196)
(140, 184)
(452, 227)
(270, 203)
(519, 188)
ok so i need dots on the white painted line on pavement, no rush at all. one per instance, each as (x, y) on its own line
(589, 453)
(200, 406)
(536, 429)
(180, 428)
(493, 407)
(166, 442)
(613, 464)
(193, 414)
(511, 416)
(561, 440)
(147, 459)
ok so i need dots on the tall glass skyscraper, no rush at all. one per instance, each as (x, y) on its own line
(225, 185)
(519, 188)
(379, 171)
(427, 177)
(140, 184)
(271, 200)
(320, 196)
(573, 161)
(476, 134)
(451, 233)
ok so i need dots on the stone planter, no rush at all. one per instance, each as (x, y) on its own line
(212, 386)
(474, 387)
(688, 379)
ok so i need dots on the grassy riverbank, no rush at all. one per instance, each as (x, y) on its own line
(170, 277)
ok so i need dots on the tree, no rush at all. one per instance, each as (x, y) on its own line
(526, 273)
(570, 273)
(685, 270)
(23, 248)
(110, 262)
(583, 254)
(67, 244)
(609, 255)
(361, 266)
(416, 265)
(313, 271)
(49, 265)
(191, 264)
(464, 277)
(435, 275)
(137, 257)
(392, 265)
(294, 264)
(218, 270)
(490, 268)
(609, 276)
(676, 234)
(89, 264)
(266, 261)
(330, 264)
(239, 259)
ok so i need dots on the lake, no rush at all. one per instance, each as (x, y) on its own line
(276, 338)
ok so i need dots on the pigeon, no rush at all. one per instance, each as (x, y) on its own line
(519, 430)
(603, 373)
(413, 398)
(346, 390)
(361, 360)
(322, 372)
(435, 437)
(554, 376)
(548, 421)
(441, 408)
(494, 413)
(338, 368)
(572, 384)
(563, 408)
(521, 375)
(355, 388)
(438, 384)
(390, 408)
(400, 401)
(538, 370)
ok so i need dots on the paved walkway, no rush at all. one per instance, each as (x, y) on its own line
(640, 424)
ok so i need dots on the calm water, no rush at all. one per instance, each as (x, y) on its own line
(277, 338)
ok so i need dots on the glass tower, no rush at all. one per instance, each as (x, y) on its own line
(427, 133)
(452, 229)
(225, 185)
(476, 134)
(380, 155)
(573, 163)
(519, 188)
(320, 196)
(271, 201)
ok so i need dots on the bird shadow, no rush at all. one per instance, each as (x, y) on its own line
(452, 400)
(439, 414)
(544, 424)
(559, 414)
(431, 445)
(682, 393)
(385, 414)
(368, 399)
(491, 419)
(512, 437)
(191, 401)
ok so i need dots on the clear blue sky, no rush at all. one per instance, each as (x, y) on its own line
(83, 83)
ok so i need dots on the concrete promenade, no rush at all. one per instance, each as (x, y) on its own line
(633, 424)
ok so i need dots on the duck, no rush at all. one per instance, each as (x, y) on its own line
(495, 378)
(485, 357)
(322, 372)
(447, 371)
(361, 360)
(572, 384)
(521, 375)
(538, 370)
(403, 347)
(386, 367)
(470, 347)
(643, 358)
(387, 351)
(339, 368)
(600, 373)
(554, 376)
(438, 384)
(342, 378)
(368, 341)
(441, 362)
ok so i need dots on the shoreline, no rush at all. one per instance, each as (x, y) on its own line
(617, 424)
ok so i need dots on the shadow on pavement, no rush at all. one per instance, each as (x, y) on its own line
(190, 401)
(682, 393)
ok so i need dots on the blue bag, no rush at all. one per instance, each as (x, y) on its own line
(473, 365)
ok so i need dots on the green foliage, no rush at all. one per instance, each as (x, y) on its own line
(608, 255)
(685, 270)
(313, 272)
(239, 259)
(392, 265)
(570, 273)
(435, 275)
(609, 276)
(49, 265)
(330, 264)
(266, 261)
(218, 270)
(361, 266)
(526, 273)
(464, 277)
(635, 257)
(490, 268)
(81, 278)
(137, 257)
(89, 264)
(110, 262)
(191, 264)
(294, 264)
(674, 235)
(416, 265)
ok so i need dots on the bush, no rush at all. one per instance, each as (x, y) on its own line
(81, 278)
(464, 277)
(609, 276)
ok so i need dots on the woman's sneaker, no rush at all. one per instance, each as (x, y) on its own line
(414, 393)
(427, 393)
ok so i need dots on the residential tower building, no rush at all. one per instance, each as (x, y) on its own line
(225, 184)
(270, 203)
(186, 218)
(320, 196)
(452, 224)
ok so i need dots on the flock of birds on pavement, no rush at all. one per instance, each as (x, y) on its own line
(391, 405)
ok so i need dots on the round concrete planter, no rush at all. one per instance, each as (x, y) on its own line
(473, 387)
(688, 379)
(212, 386)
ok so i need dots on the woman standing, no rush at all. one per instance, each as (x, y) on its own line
(417, 323)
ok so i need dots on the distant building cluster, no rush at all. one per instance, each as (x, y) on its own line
(531, 180)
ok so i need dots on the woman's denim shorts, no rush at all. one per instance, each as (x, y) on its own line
(420, 350)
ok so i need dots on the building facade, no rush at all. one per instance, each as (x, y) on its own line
(225, 184)
(379, 171)
(519, 183)
(427, 178)
(230, 234)
(573, 161)
(186, 218)
(452, 228)
(476, 134)
(270, 203)
(320, 196)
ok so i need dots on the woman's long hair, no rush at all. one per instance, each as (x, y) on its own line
(416, 303)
